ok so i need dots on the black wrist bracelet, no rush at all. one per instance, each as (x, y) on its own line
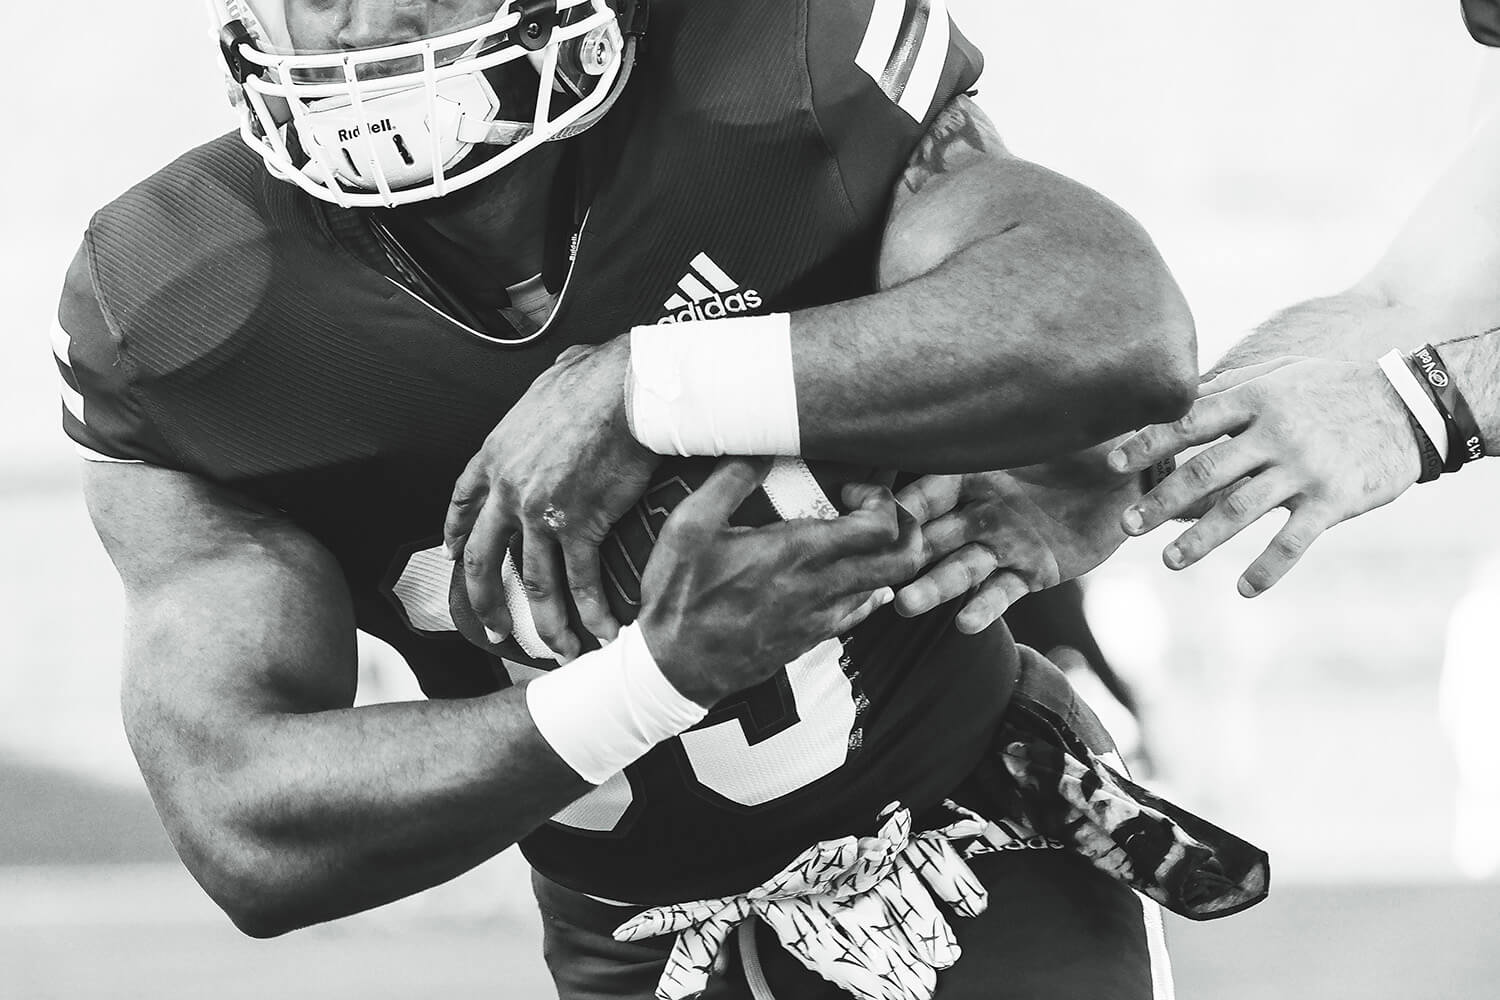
(1465, 443)
(1424, 373)
(1432, 462)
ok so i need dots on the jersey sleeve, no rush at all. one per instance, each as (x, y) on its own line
(881, 70)
(101, 412)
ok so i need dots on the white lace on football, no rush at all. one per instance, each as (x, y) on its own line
(858, 911)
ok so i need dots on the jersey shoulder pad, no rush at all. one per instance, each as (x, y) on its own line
(101, 412)
(178, 254)
(881, 72)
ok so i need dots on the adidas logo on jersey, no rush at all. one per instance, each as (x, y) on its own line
(706, 292)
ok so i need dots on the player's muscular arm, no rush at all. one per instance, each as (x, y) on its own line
(289, 806)
(1021, 315)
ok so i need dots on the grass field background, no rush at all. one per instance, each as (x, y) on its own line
(1271, 149)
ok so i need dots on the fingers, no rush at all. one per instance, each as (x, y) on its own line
(993, 599)
(866, 607)
(878, 545)
(873, 529)
(1201, 476)
(543, 580)
(931, 496)
(955, 575)
(1209, 418)
(722, 493)
(483, 555)
(1237, 509)
(585, 582)
(469, 493)
(1294, 538)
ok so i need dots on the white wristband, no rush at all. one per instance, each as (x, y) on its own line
(608, 707)
(1421, 406)
(715, 387)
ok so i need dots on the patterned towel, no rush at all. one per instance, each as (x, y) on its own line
(858, 911)
(1065, 790)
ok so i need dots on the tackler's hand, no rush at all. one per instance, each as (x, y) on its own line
(559, 470)
(1327, 440)
(998, 536)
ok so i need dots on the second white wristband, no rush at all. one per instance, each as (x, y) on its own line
(607, 708)
(715, 387)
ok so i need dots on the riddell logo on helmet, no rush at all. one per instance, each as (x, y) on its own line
(384, 125)
(706, 292)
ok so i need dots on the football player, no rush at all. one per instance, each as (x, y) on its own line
(451, 225)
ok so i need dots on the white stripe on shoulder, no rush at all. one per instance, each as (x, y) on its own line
(72, 398)
(90, 455)
(880, 37)
(61, 342)
(927, 73)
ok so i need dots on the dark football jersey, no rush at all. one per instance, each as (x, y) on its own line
(221, 322)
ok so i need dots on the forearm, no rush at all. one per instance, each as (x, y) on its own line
(1352, 326)
(302, 818)
(1024, 344)
(1017, 315)
(1360, 326)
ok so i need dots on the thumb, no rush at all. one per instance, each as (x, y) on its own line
(721, 494)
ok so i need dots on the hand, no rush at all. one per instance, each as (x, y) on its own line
(1327, 440)
(724, 608)
(560, 468)
(1002, 535)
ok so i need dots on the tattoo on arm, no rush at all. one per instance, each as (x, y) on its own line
(959, 132)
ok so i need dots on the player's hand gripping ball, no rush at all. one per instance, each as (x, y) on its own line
(556, 473)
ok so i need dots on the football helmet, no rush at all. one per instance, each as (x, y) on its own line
(396, 122)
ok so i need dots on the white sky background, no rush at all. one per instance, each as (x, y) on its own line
(1271, 148)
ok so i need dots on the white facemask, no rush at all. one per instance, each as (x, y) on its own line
(391, 125)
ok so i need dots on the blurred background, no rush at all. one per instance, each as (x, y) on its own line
(1271, 148)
